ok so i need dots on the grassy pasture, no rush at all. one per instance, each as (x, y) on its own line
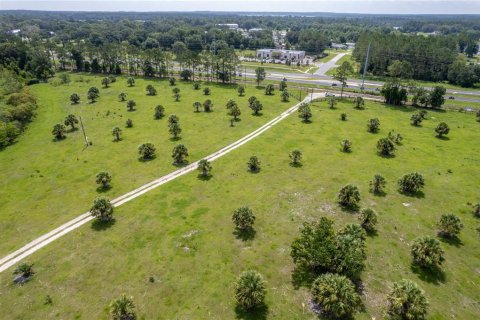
(46, 183)
(181, 234)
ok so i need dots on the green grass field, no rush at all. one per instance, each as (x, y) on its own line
(181, 234)
(45, 183)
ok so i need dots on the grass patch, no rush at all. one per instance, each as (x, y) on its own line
(181, 234)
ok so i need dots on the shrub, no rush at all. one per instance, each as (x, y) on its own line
(373, 125)
(411, 183)
(449, 225)
(253, 164)
(426, 252)
(24, 269)
(285, 95)
(74, 98)
(129, 123)
(59, 131)
(102, 209)
(442, 129)
(131, 81)
(204, 167)
(179, 153)
(159, 112)
(304, 112)
(295, 157)
(368, 219)
(186, 74)
(349, 254)
(385, 147)
(196, 85)
(197, 106)
(332, 102)
(349, 196)
(406, 301)
(377, 184)
(171, 80)
(336, 295)
(174, 129)
(104, 178)
(250, 290)
(123, 308)
(416, 119)
(173, 119)
(243, 218)
(146, 150)
(343, 117)
(346, 145)
(423, 114)
(206, 91)
(105, 82)
(235, 112)
(122, 96)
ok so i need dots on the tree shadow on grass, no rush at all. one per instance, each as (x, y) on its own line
(453, 241)
(349, 209)
(245, 235)
(296, 165)
(380, 194)
(386, 156)
(55, 139)
(302, 277)
(102, 189)
(180, 164)
(444, 138)
(99, 225)
(204, 178)
(418, 194)
(372, 233)
(307, 121)
(173, 139)
(142, 159)
(431, 275)
(258, 313)
(72, 130)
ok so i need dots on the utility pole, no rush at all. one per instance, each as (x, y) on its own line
(311, 95)
(245, 75)
(83, 130)
(213, 53)
(365, 66)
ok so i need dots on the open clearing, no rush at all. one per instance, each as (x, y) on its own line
(181, 234)
(55, 181)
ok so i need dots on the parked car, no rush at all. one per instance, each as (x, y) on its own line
(334, 84)
(329, 94)
(451, 98)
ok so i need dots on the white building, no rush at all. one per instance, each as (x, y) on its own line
(231, 26)
(280, 54)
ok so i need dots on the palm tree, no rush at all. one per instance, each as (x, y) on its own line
(71, 120)
(174, 129)
(295, 156)
(406, 301)
(104, 178)
(131, 105)
(336, 295)
(122, 96)
(179, 153)
(105, 82)
(349, 196)
(123, 308)
(116, 132)
(368, 219)
(204, 167)
(442, 129)
(241, 90)
(253, 164)
(102, 209)
(449, 225)
(74, 98)
(304, 112)
(235, 112)
(377, 184)
(250, 290)
(197, 106)
(159, 112)
(426, 252)
(146, 150)
(243, 218)
(131, 81)
(59, 131)
(285, 95)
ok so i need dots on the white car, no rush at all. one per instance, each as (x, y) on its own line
(329, 94)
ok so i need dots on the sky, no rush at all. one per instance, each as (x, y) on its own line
(340, 6)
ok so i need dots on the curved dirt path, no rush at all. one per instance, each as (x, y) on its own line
(35, 245)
